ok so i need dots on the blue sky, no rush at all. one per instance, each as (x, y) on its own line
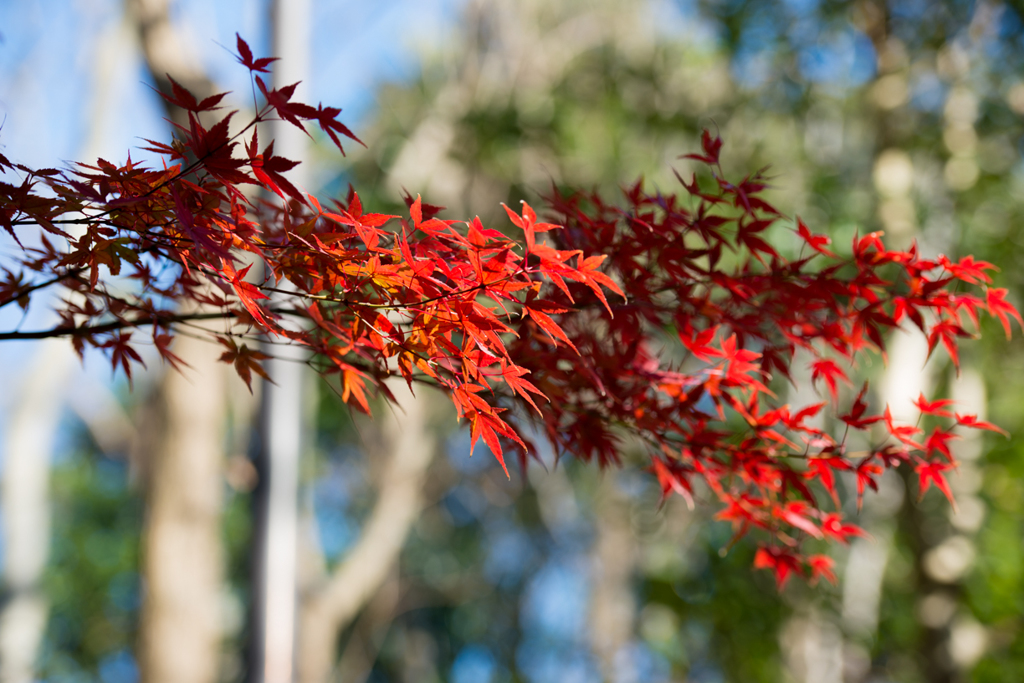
(53, 86)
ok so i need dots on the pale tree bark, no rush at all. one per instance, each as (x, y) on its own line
(166, 51)
(25, 505)
(180, 449)
(332, 602)
(272, 648)
(369, 631)
(181, 443)
(28, 444)
(613, 605)
(905, 378)
(952, 641)
(844, 653)
(328, 602)
(810, 640)
(276, 499)
(509, 52)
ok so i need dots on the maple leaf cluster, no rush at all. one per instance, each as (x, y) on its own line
(698, 274)
(567, 335)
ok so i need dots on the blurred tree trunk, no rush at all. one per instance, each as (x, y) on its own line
(331, 602)
(181, 446)
(613, 603)
(25, 501)
(816, 649)
(328, 603)
(513, 50)
(25, 505)
(276, 499)
(181, 451)
(938, 583)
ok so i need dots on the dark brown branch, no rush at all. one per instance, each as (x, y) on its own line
(28, 289)
(85, 330)
(71, 273)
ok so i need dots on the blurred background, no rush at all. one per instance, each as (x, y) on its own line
(142, 540)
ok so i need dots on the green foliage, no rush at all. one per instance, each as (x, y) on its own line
(92, 580)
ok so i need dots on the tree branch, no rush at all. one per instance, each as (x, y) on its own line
(85, 330)
(329, 607)
(28, 289)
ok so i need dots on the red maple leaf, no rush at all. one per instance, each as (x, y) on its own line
(973, 422)
(529, 225)
(246, 60)
(822, 566)
(929, 473)
(247, 292)
(832, 527)
(783, 563)
(826, 369)
(245, 360)
(817, 242)
(672, 478)
(938, 441)
(936, 407)
(995, 301)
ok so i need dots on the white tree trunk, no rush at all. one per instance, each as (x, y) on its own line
(613, 605)
(182, 452)
(329, 605)
(25, 505)
(272, 653)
